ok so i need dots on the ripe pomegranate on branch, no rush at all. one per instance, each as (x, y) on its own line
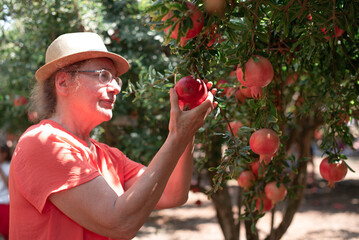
(197, 23)
(263, 204)
(258, 168)
(338, 32)
(276, 192)
(246, 179)
(333, 171)
(235, 125)
(265, 143)
(258, 73)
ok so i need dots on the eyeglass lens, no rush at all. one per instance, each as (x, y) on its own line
(106, 77)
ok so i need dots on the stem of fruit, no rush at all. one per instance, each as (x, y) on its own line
(254, 25)
(304, 4)
(227, 121)
(270, 30)
(335, 144)
(250, 213)
(335, 35)
(194, 50)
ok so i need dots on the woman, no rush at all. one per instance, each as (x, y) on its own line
(5, 156)
(65, 185)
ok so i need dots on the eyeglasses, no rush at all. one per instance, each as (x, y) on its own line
(104, 76)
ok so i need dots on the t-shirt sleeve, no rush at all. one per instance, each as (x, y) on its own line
(125, 167)
(131, 168)
(45, 165)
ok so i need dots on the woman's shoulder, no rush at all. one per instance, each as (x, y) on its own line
(43, 127)
(48, 130)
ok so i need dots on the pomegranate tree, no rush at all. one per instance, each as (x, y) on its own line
(191, 92)
(334, 171)
(258, 73)
(275, 192)
(197, 22)
(246, 179)
(265, 143)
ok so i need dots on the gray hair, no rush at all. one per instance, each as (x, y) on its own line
(43, 97)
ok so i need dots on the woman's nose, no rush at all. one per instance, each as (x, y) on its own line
(115, 86)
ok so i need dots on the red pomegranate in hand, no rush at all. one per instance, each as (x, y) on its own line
(333, 172)
(191, 92)
(275, 192)
(258, 73)
(264, 142)
(246, 179)
(197, 22)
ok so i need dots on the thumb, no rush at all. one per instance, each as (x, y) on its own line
(174, 99)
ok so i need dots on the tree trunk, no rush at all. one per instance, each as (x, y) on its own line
(222, 202)
(303, 138)
(249, 234)
(222, 198)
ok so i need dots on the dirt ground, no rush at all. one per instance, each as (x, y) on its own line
(325, 213)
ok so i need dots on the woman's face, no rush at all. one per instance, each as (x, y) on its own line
(91, 98)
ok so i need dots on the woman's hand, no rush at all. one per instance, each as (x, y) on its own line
(184, 124)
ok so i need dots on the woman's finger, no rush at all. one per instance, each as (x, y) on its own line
(174, 100)
(209, 85)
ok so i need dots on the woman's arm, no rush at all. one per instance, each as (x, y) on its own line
(177, 188)
(96, 206)
(178, 185)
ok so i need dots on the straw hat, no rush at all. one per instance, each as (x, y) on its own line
(70, 48)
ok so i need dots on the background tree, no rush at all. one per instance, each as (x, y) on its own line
(28, 27)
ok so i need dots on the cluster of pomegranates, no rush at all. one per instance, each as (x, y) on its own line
(196, 16)
(265, 143)
(197, 20)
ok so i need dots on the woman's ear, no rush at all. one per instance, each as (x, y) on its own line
(62, 83)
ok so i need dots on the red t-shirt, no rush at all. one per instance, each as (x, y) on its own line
(49, 159)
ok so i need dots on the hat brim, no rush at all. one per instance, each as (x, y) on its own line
(50, 68)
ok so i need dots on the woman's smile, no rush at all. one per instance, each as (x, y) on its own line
(107, 103)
